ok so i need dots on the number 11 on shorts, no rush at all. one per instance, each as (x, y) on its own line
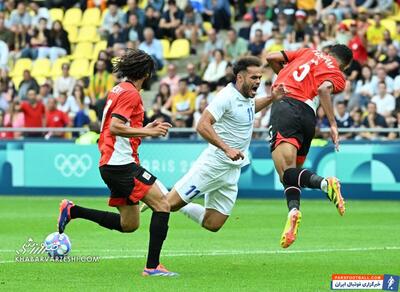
(193, 190)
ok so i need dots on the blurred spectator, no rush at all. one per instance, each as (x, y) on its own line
(287, 9)
(9, 7)
(104, 56)
(219, 12)
(113, 15)
(20, 16)
(381, 76)
(153, 47)
(44, 93)
(204, 93)
(244, 30)
(6, 35)
(391, 63)
(375, 31)
(382, 48)
(172, 79)
(3, 55)
(159, 115)
(14, 118)
(340, 8)
(34, 113)
(180, 122)
(82, 116)
(353, 72)
(396, 124)
(38, 40)
(299, 29)
(199, 111)
(183, 103)
(193, 80)
(152, 20)
(213, 43)
(163, 96)
(67, 103)
(315, 27)
(101, 82)
(116, 36)
(27, 83)
(331, 27)
(3, 135)
(216, 69)
(358, 44)
(262, 5)
(58, 43)
(21, 40)
(227, 78)
(134, 31)
(64, 83)
(396, 91)
(346, 96)
(191, 27)
(283, 25)
(262, 24)
(5, 97)
(235, 46)
(37, 13)
(133, 9)
(55, 119)
(373, 120)
(322, 124)
(277, 43)
(364, 87)
(381, 6)
(343, 35)
(385, 102)
(170, 20)
(343, 119)
(101, 4)
(256, 46)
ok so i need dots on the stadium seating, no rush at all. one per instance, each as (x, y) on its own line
(88, 34)
(91, 16)
(180, 48)
(41, 68)
(99, 46)
(72, 16)
(79, 68)
(72, 33)
(20, 66)
(56, 14)
(166, 47)
(390, 25)
(83, 50)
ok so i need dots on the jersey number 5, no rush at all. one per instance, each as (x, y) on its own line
(304, 70)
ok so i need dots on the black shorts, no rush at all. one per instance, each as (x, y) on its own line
(294, 122)
(128, 183)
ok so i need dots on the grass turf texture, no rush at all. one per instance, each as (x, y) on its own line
(243, 256)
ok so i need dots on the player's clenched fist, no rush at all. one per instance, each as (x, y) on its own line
(234, 154)
(157, 128)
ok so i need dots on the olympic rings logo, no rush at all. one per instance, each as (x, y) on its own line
(69, 165)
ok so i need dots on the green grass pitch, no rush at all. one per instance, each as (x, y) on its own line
(243, 256)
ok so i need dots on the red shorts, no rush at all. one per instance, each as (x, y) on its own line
(128, 183)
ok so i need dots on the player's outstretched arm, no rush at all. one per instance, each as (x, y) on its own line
(324, 92)
(277, 93)
(154, 129)
(206, 130)
(275, 60)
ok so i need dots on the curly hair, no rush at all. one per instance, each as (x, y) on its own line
(134, 64)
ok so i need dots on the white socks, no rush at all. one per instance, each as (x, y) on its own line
(324, 185)
(194, 211)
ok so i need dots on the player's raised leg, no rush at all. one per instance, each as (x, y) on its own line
(284, 156)
(158, 231)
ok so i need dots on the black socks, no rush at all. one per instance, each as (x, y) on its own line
(106, 219)
(292, 197)
(302, 178)
(158, 233)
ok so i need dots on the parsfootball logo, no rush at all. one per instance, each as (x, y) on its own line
(73, 164)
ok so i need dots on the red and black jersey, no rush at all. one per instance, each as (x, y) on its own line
(123, 102)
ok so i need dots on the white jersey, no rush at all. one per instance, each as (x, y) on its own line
(234, 115)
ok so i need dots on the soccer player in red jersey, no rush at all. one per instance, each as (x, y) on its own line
(120, 136)
(309, 78)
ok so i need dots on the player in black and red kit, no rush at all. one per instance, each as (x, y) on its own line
(121, 133)
(309, 78)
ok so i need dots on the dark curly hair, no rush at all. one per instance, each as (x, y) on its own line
(134, 64)
(343, 53)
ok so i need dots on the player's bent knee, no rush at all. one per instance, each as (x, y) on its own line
(129, 227)
(162, 205)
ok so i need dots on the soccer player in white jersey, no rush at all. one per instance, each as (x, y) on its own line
(227, 124)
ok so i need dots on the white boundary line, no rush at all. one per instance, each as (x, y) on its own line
(238, 252)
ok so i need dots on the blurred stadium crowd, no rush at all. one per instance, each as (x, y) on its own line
(56, 57)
